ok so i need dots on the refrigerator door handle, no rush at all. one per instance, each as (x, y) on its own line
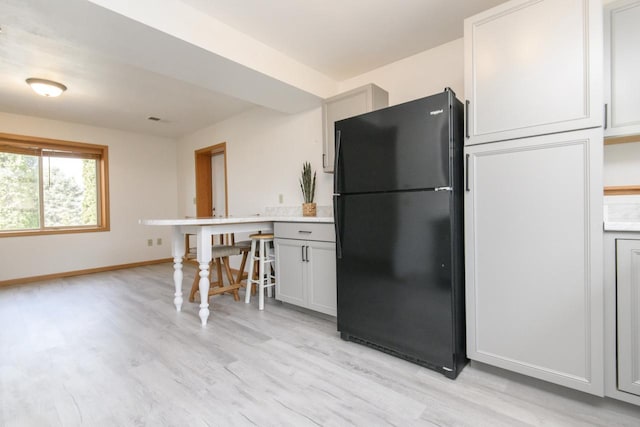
(336, 162)
(336, 221)
(466, 173)
(466, 118)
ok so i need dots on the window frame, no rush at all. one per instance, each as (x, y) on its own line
(30, 145)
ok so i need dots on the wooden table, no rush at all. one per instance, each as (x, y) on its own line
(203, 229)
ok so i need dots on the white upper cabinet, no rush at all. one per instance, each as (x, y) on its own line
(622, 67)
(533, 68)
(348, 104)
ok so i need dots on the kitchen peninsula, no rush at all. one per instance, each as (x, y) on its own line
(206, 227)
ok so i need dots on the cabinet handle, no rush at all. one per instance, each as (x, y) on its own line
(306, 253)
(323, 165)
(466, 118)
(304, 231)
(606, 115)
(302, 252)
(466, 175)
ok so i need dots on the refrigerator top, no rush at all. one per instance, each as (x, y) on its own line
(399, 148)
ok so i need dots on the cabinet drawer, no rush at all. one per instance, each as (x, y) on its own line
(305, 231)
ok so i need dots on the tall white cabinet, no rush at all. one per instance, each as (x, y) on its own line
(532, 68)
(533, 205)
(622, 67)
(533, 240)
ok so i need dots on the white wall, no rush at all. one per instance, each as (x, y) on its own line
(266, 149)
(419, 75)
(265, 152)
(622, 164)
(142, 184)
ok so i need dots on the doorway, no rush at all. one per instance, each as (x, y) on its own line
(211, 181)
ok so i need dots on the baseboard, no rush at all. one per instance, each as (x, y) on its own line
(23, 280)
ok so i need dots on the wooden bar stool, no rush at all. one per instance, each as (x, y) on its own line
(265, 259)
(219, 258)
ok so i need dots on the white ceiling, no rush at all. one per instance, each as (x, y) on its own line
(119, 71)
(341, 38)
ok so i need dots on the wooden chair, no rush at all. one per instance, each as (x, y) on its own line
(219, 257)
(245, 249)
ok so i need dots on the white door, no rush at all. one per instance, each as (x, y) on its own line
(533, 248)
(218, 185)
(628, 290)
(321, 277)
(533, 68)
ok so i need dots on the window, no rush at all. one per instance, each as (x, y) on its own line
(49, 186)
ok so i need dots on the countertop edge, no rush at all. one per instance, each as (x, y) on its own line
(621, 226)
(235, 220)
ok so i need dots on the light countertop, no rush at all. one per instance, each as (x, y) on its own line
(236, 220)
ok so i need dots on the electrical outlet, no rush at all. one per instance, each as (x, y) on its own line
(280, 198)
(150, 242)
(158, 241)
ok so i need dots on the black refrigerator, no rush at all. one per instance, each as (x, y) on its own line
(398, 208)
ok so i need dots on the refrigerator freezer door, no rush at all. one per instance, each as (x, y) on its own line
(395, 273)
(404, 147)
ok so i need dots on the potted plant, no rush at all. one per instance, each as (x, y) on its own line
(308, 187)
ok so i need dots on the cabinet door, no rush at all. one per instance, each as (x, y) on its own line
(533, 253)
(622, 67)
(533, 68)
(290, 285)
(628, 290)
(357, 101)
(321, 277)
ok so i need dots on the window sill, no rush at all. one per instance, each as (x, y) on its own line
(65, 230)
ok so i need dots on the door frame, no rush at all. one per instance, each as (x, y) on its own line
(203, 175)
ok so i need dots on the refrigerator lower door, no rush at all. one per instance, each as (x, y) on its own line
(395, 273)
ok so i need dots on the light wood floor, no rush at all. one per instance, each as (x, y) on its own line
(109, 350)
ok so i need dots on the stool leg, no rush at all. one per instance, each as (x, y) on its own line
(261, 279)
(227, 269)
(254, 285)
(247, 294)
(267, 255)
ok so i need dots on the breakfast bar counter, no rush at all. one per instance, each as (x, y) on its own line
(204, 228)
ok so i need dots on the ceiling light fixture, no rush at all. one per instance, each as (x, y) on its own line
(46, 87)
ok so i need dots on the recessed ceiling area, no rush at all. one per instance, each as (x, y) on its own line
(119, 71)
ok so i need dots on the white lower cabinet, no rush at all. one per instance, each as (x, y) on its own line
(628, 295)
(533, 247)
(306, 269)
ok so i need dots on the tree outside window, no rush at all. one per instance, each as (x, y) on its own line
(51, 186)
